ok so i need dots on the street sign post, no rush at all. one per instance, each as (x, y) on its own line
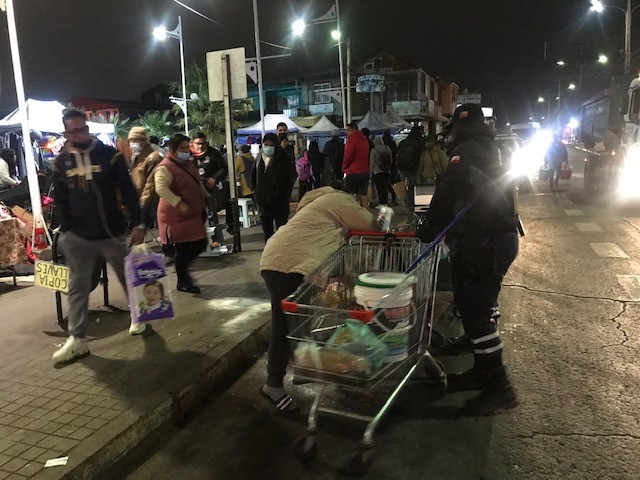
(227, 78)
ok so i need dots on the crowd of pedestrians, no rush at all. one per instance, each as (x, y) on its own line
(100, 195)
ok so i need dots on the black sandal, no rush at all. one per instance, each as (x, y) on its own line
(282, 404)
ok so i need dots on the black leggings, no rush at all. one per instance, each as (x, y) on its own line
(280, 286)
(186, 252)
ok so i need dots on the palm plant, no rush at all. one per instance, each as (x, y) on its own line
(120, 125)
(157, 123)
(204, 116)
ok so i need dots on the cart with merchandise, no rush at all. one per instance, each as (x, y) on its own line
(364, 318)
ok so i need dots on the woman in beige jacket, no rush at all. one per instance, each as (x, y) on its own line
(313, 234)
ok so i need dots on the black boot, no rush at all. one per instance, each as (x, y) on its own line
(496, 395)
(456, 346)
(461, 382)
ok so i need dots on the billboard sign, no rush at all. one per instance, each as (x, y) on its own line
(370, 83)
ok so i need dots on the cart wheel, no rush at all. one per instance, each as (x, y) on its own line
(306, 448)
(361, 461)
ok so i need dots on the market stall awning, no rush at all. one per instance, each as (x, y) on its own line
(376, 123)
(45, 116)
(324, 126)
(392, 117)
(271, 120)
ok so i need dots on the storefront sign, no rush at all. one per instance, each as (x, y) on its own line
(321, 108)
(469, 98)
(52, 276)
(370, 83)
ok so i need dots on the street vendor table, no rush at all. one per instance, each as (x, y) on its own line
(12, 250)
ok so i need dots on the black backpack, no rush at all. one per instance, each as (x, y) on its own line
(408, 157)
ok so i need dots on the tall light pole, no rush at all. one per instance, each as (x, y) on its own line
(256, 28)
(598, 6)
(333, 15)
(34, 190)
(160, 33)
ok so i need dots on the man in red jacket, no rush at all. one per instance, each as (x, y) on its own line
(356, 164)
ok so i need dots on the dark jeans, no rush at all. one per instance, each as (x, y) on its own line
(186, 252)
(275, 213)
(382, 185)
(280, 286)
(554, 171)
(476, 295)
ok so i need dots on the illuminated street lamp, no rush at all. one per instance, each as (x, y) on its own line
(598, 6)
(572, 86)
(333, 15)
(560, 63)
(160, 33)
(541, 99)
(603, 59)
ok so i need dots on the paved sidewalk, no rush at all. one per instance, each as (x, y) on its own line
(102, 405)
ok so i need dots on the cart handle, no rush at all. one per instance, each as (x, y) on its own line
(289, 307)
(364, 316)
(364, 233)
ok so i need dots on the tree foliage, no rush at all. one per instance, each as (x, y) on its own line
(158, 123)
(205, 116)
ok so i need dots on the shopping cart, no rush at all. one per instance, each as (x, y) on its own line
(325, 303)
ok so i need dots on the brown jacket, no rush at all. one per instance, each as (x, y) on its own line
(142, 167)
(315, 232)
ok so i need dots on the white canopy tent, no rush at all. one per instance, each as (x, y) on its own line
(376, 123)
(271, 121)
(324, 126)
(392, 116)
(45, 116)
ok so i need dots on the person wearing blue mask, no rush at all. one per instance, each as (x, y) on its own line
(181, 210)
(272, 180)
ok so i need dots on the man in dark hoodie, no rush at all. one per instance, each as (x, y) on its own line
(91, 180)
(214, 172)
(482, 245)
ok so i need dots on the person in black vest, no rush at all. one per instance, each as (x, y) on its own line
(482, 245)
(393, 177)
(334, 150)
(213, 172)
(556, 156)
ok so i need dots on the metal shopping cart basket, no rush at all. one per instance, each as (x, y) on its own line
(326, 314)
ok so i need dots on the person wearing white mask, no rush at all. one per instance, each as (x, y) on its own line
(272, 180)
(181, 210)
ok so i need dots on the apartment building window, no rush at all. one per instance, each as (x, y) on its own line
(398, 91)
(321, 96)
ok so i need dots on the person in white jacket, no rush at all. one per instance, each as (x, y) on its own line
(380, 160)
(8, 169)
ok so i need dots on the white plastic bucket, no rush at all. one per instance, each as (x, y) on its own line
(374, 290)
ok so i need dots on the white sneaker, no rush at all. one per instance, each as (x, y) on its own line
(73, 348)
(137, 328)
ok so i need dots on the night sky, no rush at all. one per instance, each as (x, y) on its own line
(104, 48)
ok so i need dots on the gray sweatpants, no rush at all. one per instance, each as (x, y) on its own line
(80, 256)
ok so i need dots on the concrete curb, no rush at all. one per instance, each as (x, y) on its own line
(108, 445)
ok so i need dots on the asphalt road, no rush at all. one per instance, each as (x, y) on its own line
(570, 325)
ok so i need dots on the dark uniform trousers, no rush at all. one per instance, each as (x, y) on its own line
(478, 268)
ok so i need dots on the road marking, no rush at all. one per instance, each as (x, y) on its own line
(588, 227)
(609, 250)
(574, 213)
(631, 285)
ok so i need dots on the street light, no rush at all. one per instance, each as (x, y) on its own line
(560, 63)
(160, 33)
(572, 86)
(333, 15)
(603, 59)
(540, 99)
(598, 6)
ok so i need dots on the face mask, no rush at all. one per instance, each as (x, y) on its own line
(135, 147)
(269, 151)
(82, 145)
(183, 156)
